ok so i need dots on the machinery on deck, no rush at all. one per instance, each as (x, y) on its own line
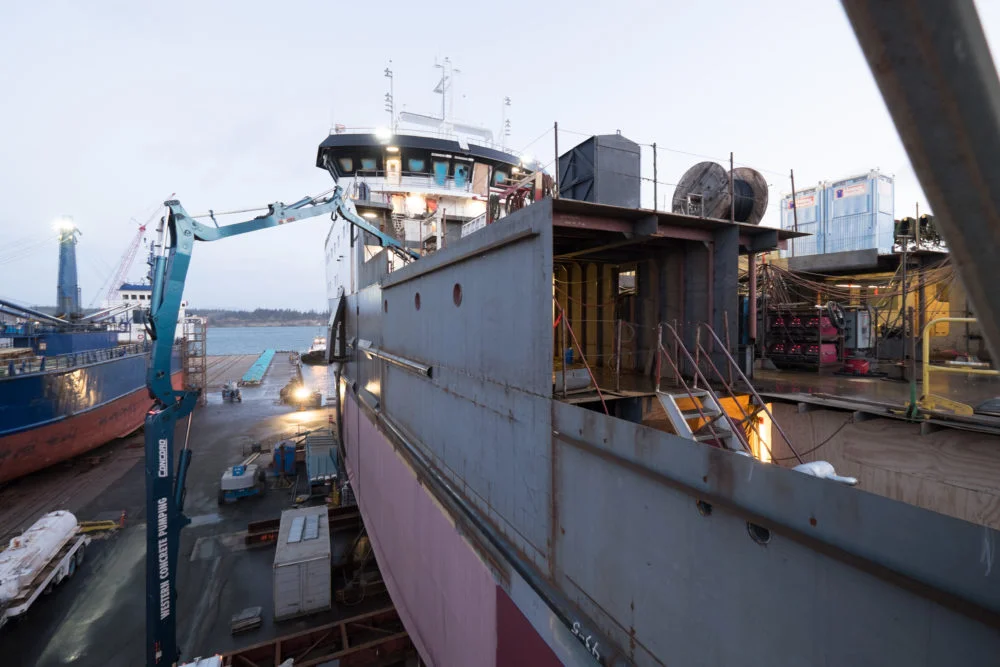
(242, 481)
(231, 392)
(165, 488)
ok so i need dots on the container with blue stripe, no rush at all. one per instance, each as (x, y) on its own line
(860, 213)
(810, 206)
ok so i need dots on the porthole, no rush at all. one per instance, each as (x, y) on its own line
(758, 534)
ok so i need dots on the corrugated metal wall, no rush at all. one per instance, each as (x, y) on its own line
(855, 213)
(809, 210)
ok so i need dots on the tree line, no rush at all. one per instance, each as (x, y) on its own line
(223, 316)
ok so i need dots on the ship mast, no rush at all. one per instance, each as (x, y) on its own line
(448, 72)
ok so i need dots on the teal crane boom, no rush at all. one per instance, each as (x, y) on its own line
(165, 490)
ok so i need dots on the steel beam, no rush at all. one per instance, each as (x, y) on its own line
(934, 68)
(600, 223)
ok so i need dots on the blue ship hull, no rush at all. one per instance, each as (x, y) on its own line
(50, 416)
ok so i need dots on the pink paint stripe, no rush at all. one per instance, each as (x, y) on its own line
(445, 595)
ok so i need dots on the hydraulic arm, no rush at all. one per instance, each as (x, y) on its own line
(165, 490)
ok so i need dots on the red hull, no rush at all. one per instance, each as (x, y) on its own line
(451, 604)
(29, 451)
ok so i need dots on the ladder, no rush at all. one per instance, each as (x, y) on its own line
(697, 415)
(699, 405)
(193, 356)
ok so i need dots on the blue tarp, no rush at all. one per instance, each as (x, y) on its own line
(259, 368)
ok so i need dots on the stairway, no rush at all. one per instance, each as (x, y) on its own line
(698, 416)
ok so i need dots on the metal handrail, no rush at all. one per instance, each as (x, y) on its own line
(732, 394)
(697, 374)
(750, 389)
(44, 364)
(582, 356)
(662, 353)
(929, 401)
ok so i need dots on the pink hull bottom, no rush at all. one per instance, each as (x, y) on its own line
(449, 601)
(29, 451)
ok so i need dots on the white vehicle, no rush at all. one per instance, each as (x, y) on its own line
(38, 560)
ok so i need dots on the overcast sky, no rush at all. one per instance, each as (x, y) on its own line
(109, 107)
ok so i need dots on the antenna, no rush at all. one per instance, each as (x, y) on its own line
(504, 123)
(390, 99)
(448, 73)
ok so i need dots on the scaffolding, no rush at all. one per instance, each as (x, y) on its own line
(194, 356)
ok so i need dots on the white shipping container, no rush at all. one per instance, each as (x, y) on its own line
(302, 582)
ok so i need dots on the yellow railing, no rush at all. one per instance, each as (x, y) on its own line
(929, 401)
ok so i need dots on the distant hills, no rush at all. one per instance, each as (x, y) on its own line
(223, 317)
(261, 317)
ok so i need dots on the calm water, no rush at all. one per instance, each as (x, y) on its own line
(252, 340)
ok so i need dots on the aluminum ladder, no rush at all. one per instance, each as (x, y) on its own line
(696, 415)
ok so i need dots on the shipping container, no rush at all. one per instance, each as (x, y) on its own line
(808, 213)
(860, 213)
(603, 169)
(302, 581)
(855, 213)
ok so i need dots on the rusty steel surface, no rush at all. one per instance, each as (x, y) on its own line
(935, 71)
(597, 528)
(846, 574)
(374, 638)
(265, 531)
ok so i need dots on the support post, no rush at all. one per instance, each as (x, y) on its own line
(795, 209)
(732, 196)
(562, 351)
(752, 305)
(903, 305)
(729, 346)
(555, 171)
(656, 203)
(763, 308)
(618, 356)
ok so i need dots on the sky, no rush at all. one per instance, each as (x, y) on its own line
(109, 108)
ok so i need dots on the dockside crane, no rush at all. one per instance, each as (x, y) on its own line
(165, 489)
(127, 258)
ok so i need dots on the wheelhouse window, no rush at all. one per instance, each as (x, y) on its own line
(441, 172)
(346, 164)
(416, 164)
(461, 175)
(368, 163)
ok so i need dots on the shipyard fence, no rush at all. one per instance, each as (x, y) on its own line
(26, 365)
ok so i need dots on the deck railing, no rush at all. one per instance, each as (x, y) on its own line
(28, 365)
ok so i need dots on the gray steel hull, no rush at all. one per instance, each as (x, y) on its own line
(590, 523)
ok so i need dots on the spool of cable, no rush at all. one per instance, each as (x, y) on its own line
(703, 191)
(750, 190)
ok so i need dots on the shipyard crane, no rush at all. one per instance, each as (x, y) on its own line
(127, 259)
(125, 264)
(164, 488)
